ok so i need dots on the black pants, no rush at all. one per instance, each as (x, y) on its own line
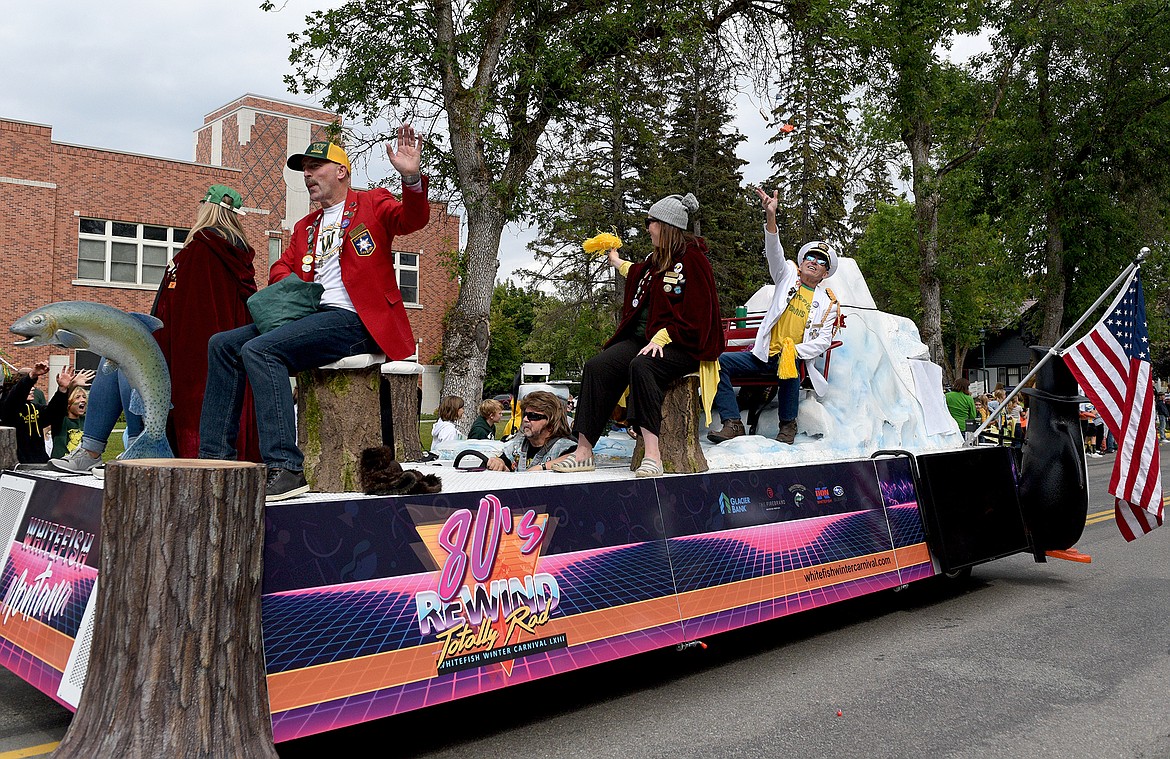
(607, 375)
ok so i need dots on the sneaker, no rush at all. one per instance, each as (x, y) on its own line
(732, 428)
(284, 483)
(77, 462)
(99, 471)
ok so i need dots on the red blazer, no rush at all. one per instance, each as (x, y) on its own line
(367, 259)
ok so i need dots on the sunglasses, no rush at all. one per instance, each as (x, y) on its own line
(532, 416)
(817, 260)
(649, 221)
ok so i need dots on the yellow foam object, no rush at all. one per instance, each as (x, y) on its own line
(787, 368)
(602, 243)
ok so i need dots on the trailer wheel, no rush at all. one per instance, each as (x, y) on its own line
(958, 575)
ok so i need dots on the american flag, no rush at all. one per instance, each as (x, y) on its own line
(1112, 365)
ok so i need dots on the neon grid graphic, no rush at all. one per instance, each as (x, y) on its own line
(639, 566)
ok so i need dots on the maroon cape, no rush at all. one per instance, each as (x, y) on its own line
(682, 300)
(204, 292)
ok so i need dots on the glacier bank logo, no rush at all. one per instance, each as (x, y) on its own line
(729, 505)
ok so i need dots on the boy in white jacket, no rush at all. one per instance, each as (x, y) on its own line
(802, 313)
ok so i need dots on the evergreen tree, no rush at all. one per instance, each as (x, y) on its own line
(698, 155)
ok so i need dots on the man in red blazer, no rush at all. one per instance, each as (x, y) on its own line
(346, 246)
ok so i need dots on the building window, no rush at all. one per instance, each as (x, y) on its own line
(406, 269)
(118, 252)
(273, 250)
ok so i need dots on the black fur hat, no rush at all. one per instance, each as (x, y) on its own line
(380, 474)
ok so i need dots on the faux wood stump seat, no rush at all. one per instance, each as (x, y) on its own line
(401, 379)
(7, 448)
(682, 423)
(338, 418)
(177, 661)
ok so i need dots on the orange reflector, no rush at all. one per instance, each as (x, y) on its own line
(1070, 554)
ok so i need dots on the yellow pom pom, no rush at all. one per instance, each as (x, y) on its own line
(787, 368)
(601, 243)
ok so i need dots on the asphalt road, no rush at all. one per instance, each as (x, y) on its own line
(1024, 660)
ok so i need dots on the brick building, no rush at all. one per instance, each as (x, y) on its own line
(99, 225)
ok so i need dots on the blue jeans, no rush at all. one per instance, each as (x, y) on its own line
(109, 397)
(745, 364)
(266, 362)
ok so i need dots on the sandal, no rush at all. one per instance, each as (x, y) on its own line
(649, 468)
(572, 465)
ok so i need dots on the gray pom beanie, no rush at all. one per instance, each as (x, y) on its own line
(674, 210)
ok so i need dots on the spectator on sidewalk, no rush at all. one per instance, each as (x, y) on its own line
(961, 404)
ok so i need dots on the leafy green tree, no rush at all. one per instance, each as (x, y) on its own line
(812, 164)
(513, 317)
(1088, 146)
(931, 102)
(498, 75)
(981, 284)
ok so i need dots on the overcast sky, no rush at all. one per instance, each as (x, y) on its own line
(140, 76)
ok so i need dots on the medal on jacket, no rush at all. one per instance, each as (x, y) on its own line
(311, 244)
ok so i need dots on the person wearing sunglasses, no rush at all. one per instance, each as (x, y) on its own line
(669, 328)
(544, 437)
(797, 327)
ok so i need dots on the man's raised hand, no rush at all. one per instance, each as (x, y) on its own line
(408, 157)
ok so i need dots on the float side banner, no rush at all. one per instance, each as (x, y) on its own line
(903, 511)
(378, 606)
(50, 566)
(750, 546)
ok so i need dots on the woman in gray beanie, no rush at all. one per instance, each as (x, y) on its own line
(669, 328)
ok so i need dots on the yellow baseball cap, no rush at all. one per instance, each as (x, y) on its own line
(326, 151)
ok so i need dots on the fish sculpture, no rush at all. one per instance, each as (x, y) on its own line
(126, 342)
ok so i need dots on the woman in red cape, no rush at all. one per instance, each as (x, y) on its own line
(205, 291)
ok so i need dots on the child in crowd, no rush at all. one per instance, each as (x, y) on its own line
(484, 426)
(66, 433)
(450, 411)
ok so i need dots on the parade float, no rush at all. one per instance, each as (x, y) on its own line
(377, 605)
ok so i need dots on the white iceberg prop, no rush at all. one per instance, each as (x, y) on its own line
(883, 393)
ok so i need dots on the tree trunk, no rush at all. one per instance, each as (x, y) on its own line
(8, 460)
(177, 663)
(1054, 286)
(926, 202)
(468, 332)
(1052, 294)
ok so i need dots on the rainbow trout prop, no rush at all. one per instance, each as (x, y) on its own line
(126, 342)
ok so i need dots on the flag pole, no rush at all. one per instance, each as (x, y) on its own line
(1055, 349)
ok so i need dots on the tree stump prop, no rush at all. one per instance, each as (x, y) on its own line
(8, 460)
(682, 423)
(177, 662)
(337, 418)
(402, 383)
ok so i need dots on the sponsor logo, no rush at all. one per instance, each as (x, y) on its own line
(728, 505)
(822, 494)
(799, 493)
(838, 491)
